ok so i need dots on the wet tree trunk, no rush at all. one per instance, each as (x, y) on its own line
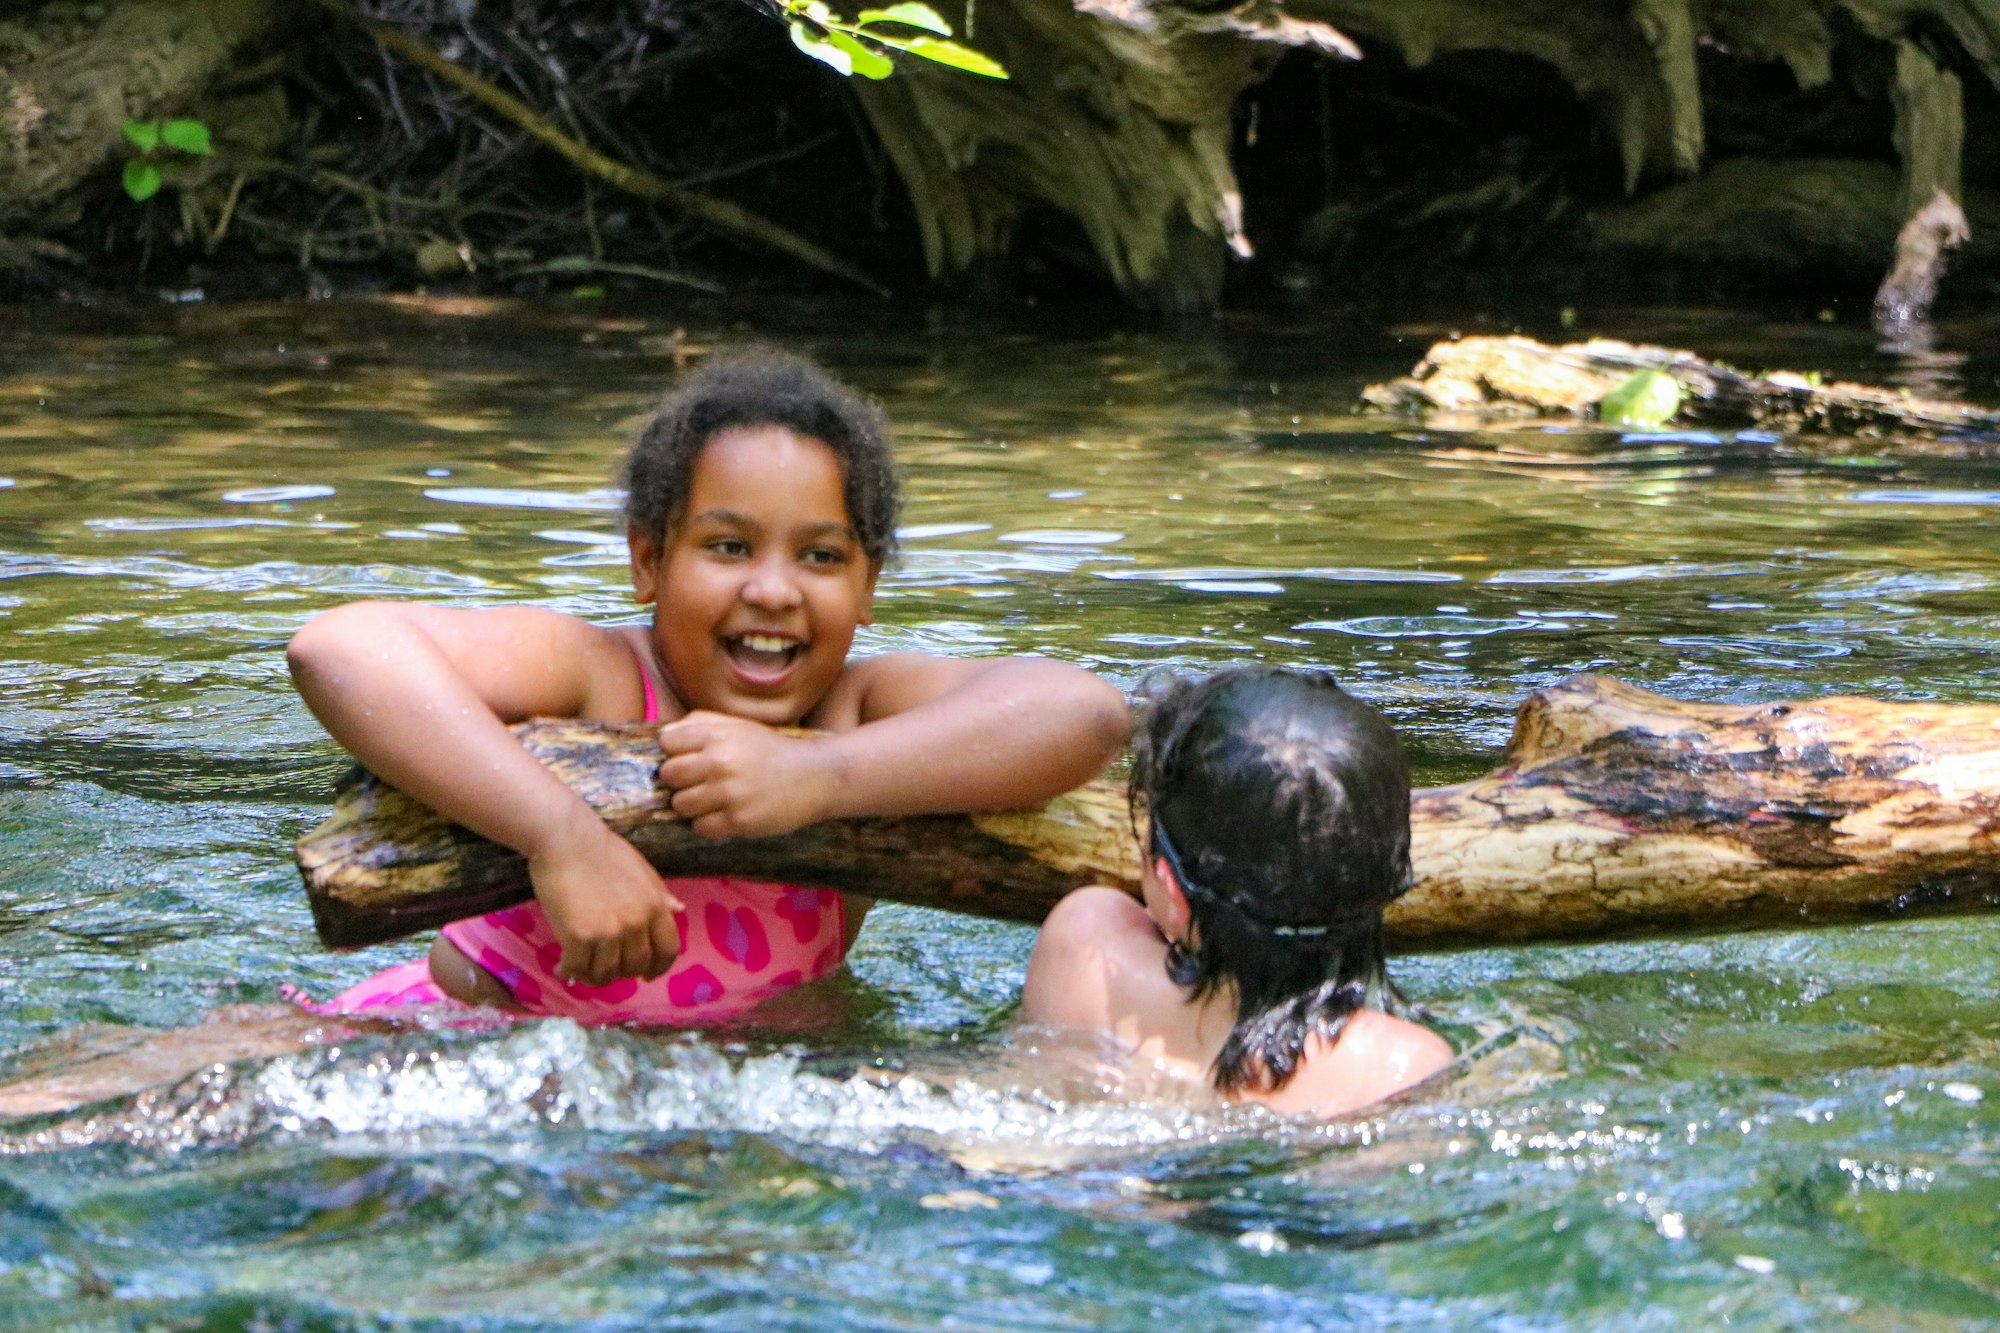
(1613, 811)
(1117, 113)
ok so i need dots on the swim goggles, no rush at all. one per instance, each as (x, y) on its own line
(1165, 846)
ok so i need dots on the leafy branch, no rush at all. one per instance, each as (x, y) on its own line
(861, 45)
(145, 173)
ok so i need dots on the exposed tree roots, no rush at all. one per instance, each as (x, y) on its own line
(521, 146)
(1611, 148)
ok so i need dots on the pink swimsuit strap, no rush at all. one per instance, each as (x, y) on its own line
(646, 680)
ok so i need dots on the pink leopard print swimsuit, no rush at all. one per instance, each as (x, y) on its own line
(742, 942)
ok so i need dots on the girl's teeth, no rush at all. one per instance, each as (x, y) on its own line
(764, 643)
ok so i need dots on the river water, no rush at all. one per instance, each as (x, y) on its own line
(1779, 1130)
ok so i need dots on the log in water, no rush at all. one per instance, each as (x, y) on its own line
(1614, 811)
(1478, 382)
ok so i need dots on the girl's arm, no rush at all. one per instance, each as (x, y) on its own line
(421, 696)
(911, 734)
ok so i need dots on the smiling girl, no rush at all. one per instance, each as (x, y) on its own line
(761, 505)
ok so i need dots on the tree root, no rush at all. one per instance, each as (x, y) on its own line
(717, 213)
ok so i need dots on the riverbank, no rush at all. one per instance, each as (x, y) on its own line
(1330, 150)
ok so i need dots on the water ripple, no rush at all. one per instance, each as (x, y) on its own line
(1270, 573)
(266, 574)
(1625, 573)
(501, 497)
(1419, 627)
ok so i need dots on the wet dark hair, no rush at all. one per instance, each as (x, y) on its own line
(1283, 805)
(760, 386)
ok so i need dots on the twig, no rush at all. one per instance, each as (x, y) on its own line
(228, 211)
(748, 164)
(716, 212)
(578, 265)
(395, 95)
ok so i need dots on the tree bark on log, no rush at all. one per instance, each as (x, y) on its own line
(1476, 381)
(1614, 811)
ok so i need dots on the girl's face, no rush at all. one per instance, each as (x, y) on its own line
(762, 582)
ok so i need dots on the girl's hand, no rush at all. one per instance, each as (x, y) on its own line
(606, 905)
(735, 778)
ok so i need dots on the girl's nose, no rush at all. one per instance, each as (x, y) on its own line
(771, 586)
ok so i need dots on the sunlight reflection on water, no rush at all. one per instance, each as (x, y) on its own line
(1793, 1130)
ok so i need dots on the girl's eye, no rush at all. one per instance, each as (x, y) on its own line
(729, 546)
(823, 555)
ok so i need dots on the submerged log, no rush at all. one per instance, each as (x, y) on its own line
(1480, 380)
(1614, 811)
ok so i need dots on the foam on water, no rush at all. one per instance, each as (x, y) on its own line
(426, 1086)
(1042, 1099)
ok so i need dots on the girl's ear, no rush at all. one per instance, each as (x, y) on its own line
(867, 608)
(1179, 923)
(645, 554)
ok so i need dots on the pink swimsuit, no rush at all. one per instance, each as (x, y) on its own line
(742, 941)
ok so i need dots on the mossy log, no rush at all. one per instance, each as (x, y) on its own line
(1614, 811)
(1476, 381)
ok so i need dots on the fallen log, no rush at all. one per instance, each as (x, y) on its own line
(1613, 811)
(384, 866)
(1481, 380)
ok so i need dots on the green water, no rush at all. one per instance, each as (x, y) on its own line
(1760, 1131)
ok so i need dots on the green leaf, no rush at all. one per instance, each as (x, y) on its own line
(868, 64)
(142, 179)
(144, 134)
(819, 48)
(190, 136)
(1643, 400)
(956, 56)
(910, 14)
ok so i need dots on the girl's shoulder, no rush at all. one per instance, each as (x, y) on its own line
(882, 686)
(530, 661)
(1101, 963)
(1378, 1055)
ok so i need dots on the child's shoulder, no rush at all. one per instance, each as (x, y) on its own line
(890, 683)
(1098, 960)
(887, 684)
(523, 661)
(1378, 1055)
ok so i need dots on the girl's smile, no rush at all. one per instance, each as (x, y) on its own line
(762, 582)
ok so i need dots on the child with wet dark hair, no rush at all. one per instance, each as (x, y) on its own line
(1278, 829)
(762, 504)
